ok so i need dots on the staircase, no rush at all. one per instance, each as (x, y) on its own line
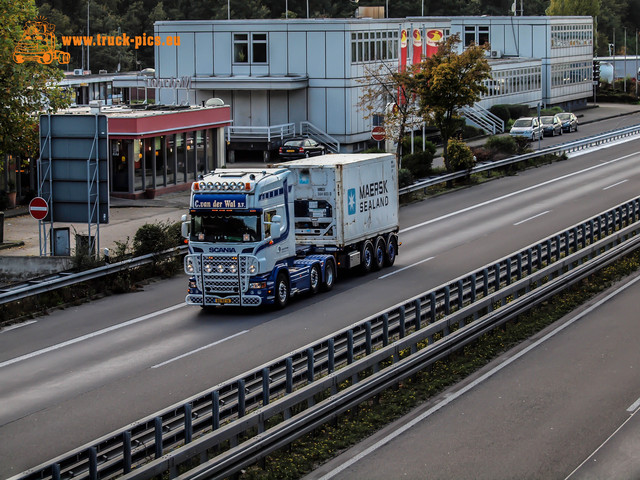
(482, 118)
(309, 130)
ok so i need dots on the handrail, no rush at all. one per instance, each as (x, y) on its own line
(445, 318)
(567, 147)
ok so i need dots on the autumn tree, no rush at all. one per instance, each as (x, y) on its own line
(390, 93)
(26, 89)
(448, 81)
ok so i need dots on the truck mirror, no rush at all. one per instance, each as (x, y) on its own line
(184, 227)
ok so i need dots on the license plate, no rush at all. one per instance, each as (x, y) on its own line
(291, 151)
(223, 300)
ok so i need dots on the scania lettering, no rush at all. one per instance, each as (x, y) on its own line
(259, 236)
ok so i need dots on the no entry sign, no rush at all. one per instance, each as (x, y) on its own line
(38, 208)
(378, 134)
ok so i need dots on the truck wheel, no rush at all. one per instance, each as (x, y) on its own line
(379, 253)
(315, 279)
(391, 252)
(282, 290)
(329, 275)
(366, 257)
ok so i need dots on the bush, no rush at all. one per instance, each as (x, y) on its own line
(374, 150)
(501, 111)
(502, 144)
(482, 154)
(551, 111)
(460, 156)
(517, 111)
(156, 237)
(417, 145)
(419, 164)
(404, 178)
(469, 131)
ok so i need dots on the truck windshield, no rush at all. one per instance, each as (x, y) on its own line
(224, 228)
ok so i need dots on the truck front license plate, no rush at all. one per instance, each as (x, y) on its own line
(223, 300)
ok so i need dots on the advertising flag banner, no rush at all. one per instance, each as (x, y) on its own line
(402, 65)
(417, 47)
(433, 37)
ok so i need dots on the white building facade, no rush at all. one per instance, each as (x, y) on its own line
(279, 72)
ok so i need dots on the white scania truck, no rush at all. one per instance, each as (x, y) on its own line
(258, 236)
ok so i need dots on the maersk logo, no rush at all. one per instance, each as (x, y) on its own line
(351, 201)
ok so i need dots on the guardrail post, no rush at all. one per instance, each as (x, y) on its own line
(368, 346)
(558, 242)
(519, 266)
(566, 243)
(331, 362)
(496, 278)
(265, 386)
(385, 329)
(447, 300)
(188, 430)
(591, 227)
(485, 282)
(620, 219)
(126, 451)
(310, 365)
(93, 463)
(215, 410)
(242, 398)
(158, 436)
(508, 271)
(401, 325)
(549, 250)
(289, 367)
(472, 288)
(460, 294)
(350, 347)
(55, 471)
(432, 307)
(539, 255)
(529, 261)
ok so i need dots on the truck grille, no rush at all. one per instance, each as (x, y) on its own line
(221, 274)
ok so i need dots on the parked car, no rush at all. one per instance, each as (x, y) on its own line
(569, 121)
(301, 147)
(527, 127)
(551, 126)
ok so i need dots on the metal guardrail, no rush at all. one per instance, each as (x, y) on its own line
(260, 411)
(268, 133)
(65, 279)
(567, 147)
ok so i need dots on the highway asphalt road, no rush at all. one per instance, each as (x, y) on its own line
(82, 372)
(563, 405)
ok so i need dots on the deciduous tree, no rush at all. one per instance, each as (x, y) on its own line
(448, 81)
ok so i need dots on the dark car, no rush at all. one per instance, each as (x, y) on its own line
(551, 126)
(301, 148)
(569, 121)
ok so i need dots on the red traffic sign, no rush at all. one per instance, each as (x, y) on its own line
(378, 134)
(38, 208)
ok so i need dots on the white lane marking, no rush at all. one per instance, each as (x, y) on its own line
(531, 218)
(91, 335)
(602, 445)
(200, 349)
(17, 325)
(404, 268)
(615, 184)
(512, 194)
(634, 406)
(403, 428)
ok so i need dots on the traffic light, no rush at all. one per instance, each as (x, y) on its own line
(596, 71)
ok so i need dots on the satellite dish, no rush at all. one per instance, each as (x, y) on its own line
(214, 102)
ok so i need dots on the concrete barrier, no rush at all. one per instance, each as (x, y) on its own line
(13, 269)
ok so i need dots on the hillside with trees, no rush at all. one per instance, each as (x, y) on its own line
(111, 17)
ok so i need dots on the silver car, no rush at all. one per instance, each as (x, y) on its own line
(527, 127)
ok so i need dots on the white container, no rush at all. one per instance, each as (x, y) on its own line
(343, 199)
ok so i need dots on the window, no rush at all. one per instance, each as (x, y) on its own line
(469, 35)
(258, 51)
(483, 35)
(476, 34)
(374, 46)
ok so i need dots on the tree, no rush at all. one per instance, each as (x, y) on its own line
(390, 94)
(447, 81)
(26, 89)
(574, 7)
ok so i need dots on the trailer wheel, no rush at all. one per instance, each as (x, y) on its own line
(329, 275)
(379, 253)
(367, 257)
(282, 290)
(391, 252)
(315, 279)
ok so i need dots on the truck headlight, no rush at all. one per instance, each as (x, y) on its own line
(252, 269)
(189, 268)
(220, 268)
(233, 268)
(208, 267)
(258, 285)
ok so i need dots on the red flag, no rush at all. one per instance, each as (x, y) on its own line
(402, 65)
(417, 47)
(433, 40)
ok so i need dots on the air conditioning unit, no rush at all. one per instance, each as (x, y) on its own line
(496, 54)
(77, 71)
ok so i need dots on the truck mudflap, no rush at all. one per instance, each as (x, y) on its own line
(221, 280)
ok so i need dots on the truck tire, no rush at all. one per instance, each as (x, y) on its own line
(315, 279)
(379, 253)
(329, 275)
(366, 257)
(391, 251)
(282, 290)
